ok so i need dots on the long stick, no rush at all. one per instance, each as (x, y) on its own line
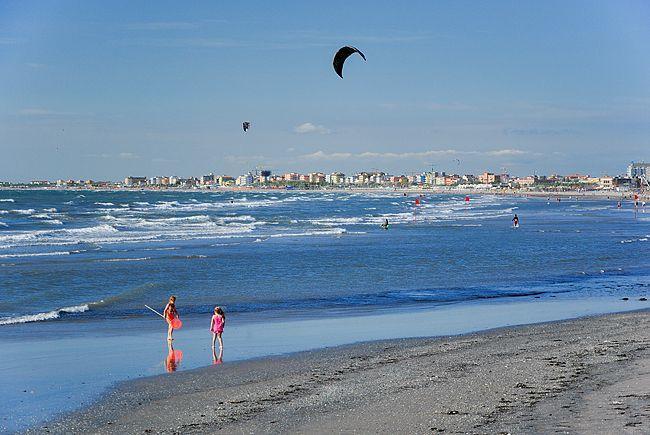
(155, 311)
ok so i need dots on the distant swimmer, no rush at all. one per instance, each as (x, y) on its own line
(515, 221)
(385, 224)
(618, 204)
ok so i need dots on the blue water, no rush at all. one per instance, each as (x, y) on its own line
(68, 255)
(77, 267)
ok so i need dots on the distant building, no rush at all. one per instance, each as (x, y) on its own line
(291, 176)
(526, 181)
(576, 178)
(207, 179)
(135, 181)
(488, 178)
(606, 182)
(638, 170)
(335, 178)
(316, 178)
(225, 180)
(244, 180)
(451, 180)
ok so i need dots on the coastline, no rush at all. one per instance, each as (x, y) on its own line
(582, 194)
(585, 375)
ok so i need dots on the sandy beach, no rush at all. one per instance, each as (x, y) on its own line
(590, 375)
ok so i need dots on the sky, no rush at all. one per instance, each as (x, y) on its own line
(102, 90)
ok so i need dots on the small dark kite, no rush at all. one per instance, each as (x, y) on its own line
(341, 55)
(246, 125)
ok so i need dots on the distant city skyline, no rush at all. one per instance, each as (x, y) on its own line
(106, 90)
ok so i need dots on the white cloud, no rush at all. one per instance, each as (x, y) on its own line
(321, 155)
(309, 127)
(506, 152)
(128, 156)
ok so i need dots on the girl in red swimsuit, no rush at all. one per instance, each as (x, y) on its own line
(170, 314)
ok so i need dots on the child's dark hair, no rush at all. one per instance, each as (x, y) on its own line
(220, 312)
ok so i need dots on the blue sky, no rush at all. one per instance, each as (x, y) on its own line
(102, 90)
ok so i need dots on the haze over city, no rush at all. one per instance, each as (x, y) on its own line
(95, 90)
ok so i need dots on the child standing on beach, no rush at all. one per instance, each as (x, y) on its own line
(216, 326)
(170, 314)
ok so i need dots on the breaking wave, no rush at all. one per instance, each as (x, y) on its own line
(49, 315)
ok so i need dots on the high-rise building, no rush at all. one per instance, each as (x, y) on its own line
(638, 170)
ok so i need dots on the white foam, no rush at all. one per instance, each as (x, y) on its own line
(24, 211)
(41, 216)
(2, 224)
(104, 203)
(7, 200)
(35, 254)
(50, 315)
(50, 210)
(333, 231)
(117, 260)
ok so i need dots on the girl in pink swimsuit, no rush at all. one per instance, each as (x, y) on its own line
(216, 326)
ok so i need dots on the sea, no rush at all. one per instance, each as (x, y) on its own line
(77, 268)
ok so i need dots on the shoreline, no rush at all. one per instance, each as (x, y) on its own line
(586, 194)
(494, 380)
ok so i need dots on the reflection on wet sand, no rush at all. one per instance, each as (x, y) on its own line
(217, 358)
(174, 358)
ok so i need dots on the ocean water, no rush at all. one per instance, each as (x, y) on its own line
(67, 255)
(79, 264)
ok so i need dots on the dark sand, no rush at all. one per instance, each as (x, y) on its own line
(590, 375)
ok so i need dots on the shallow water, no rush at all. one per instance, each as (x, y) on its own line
(76, 269)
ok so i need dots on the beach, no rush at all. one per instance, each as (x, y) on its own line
(590, 375)
(294, 271)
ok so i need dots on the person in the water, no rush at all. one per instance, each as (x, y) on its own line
(385, 224)
(515, 221)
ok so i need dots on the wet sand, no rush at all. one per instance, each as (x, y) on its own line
(590, 375)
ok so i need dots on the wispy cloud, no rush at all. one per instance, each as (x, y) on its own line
(295, 40)
(35, 65)
(448, 106)
(438, 106)
(39, 111)
(9, 41)
(164, 25)
(308, 127)
(388, 37)
(538, 131)
(187, 42)
(321, 155)
(122, 156)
